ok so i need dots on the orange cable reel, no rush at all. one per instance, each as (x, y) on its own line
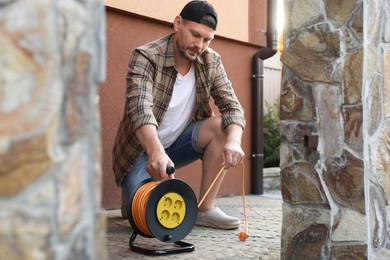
(172, 211)
(165, 210)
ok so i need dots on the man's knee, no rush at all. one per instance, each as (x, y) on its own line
(216, 123)
(211, 130)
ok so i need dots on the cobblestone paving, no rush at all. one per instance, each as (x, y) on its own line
(264, 217)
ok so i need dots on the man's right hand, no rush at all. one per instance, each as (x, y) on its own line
(157, 166)
(158, 159)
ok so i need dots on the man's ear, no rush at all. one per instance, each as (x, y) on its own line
(176, 22)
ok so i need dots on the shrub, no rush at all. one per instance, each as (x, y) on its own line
(271, 129)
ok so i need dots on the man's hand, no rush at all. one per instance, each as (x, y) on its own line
(158, 160)
(233, 154)
(157, 166)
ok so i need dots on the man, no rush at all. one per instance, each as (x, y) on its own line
(168, 120)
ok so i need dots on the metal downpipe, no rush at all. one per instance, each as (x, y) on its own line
(257, 157)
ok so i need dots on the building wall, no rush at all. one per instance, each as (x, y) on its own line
(335, 130)
(243, 20)
(126, 31)
(52, 59)
(376, 125)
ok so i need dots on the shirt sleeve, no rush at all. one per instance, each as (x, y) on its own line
(139, 92)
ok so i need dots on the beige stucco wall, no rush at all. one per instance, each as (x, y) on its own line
(233, 15)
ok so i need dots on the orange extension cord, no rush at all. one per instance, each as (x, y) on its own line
(142, 195)
(140, 199)
(243, 234)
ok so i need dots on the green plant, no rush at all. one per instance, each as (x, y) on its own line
(271, 130)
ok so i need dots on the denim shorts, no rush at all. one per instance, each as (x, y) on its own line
(182, 152)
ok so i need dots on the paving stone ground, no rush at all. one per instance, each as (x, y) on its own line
(264, 218)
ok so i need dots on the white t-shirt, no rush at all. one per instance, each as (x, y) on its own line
(180, 110)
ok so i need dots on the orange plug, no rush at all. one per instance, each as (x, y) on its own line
(243, 236)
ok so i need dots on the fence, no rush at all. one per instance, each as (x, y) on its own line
(272, 78)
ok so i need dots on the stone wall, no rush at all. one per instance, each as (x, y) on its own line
(52, 57)
(335, 114)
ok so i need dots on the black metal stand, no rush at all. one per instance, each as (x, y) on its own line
(183, 247)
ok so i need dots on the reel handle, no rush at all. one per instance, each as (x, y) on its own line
(170, 170)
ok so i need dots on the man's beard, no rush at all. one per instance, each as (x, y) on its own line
(183, 53)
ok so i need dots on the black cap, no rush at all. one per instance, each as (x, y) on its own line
(200, 12)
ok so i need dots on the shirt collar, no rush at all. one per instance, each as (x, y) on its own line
(170, 54)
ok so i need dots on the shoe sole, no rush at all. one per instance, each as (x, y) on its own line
(217, 226)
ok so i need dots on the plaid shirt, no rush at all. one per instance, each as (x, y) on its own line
(150, 79)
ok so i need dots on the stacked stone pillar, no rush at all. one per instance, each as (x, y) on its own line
(335, 112)
(51, 62)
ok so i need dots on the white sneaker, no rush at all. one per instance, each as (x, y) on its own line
(216, 218)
